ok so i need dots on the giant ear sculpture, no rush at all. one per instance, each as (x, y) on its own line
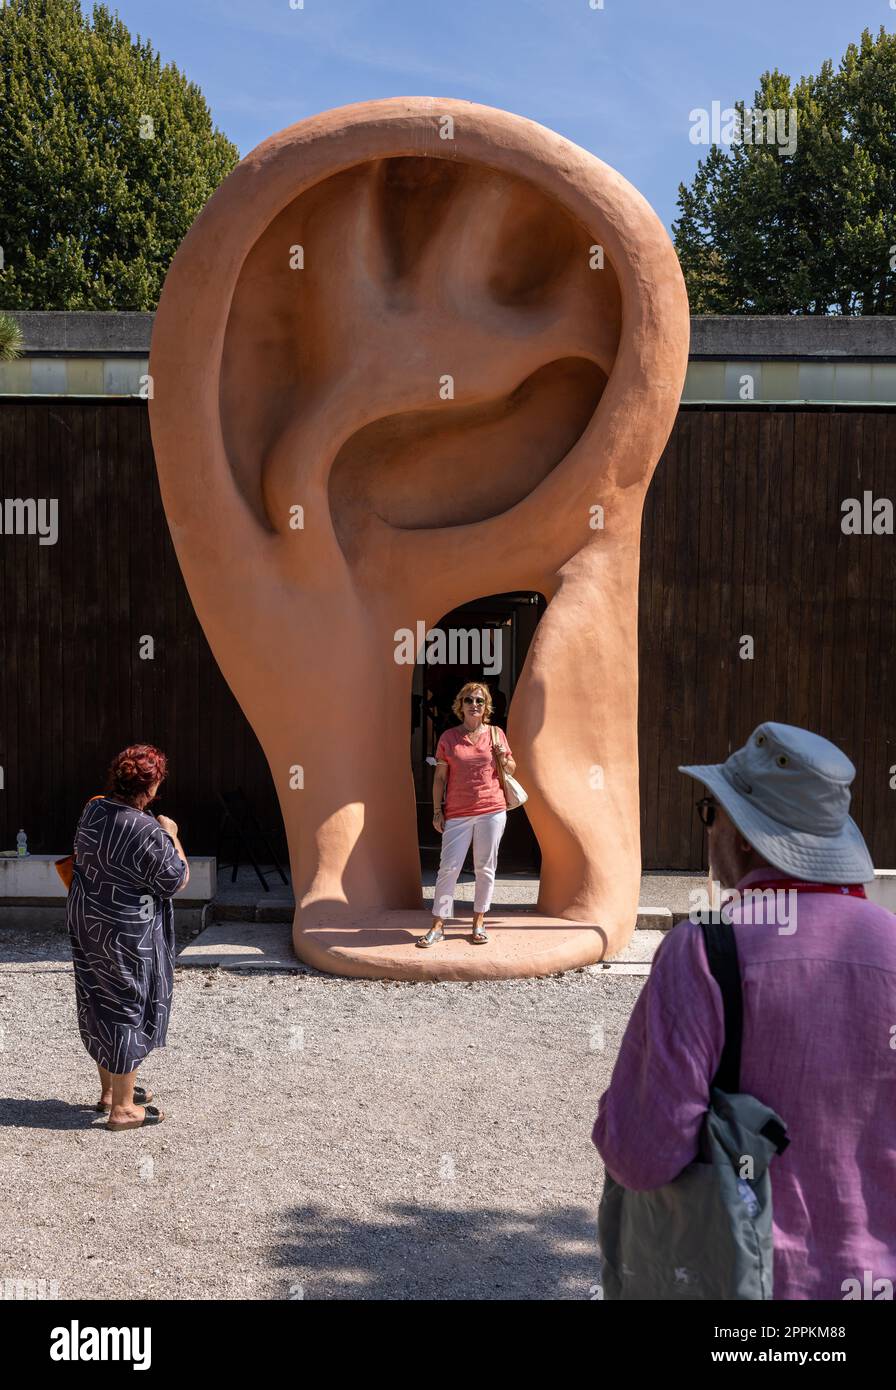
(415, 352)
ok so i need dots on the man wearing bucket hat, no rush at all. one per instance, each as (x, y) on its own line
(819, 1013)
(788, 792)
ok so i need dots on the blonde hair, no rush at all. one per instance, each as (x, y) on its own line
(468, 689)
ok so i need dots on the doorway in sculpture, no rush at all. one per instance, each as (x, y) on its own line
(490, 639)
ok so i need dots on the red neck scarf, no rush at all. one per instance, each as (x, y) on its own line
(851, 890)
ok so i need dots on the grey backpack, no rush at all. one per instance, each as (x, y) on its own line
(707, 1234)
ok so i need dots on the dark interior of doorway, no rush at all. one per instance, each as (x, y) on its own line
(434, 689)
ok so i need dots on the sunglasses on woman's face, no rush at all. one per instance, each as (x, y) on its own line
(706, 810)
(473, 700)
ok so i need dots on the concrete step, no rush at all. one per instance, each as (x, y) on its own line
(235, 945)
(662, 896)
(659, 919)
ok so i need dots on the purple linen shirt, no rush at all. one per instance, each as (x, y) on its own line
(818, 1047)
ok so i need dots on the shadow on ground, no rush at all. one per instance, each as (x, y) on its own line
(45, 1114)
(428, 1252)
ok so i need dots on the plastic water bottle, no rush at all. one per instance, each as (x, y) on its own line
(22, 843)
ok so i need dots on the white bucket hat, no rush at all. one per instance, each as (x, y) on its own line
(788, 792)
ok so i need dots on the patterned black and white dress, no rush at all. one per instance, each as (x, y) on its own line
(121, 922)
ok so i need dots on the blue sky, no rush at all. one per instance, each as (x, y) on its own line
(621, 81)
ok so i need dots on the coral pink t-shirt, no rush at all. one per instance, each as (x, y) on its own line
(474, 788)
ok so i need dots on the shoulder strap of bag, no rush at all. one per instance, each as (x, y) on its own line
(721, 955)
(496, 744)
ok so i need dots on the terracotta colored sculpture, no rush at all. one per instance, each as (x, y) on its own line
(414, 352)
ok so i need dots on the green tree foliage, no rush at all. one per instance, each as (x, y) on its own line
(106, 157)
(763, 232)
(10, 339)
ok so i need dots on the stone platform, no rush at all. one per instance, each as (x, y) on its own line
(231, 945)
(522, 942)
(382, 946)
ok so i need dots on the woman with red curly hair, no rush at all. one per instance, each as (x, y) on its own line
(128, 866)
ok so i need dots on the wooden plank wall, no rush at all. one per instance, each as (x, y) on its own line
(73, 689)
(741, 536)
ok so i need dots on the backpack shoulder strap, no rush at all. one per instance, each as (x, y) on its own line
(721, 954)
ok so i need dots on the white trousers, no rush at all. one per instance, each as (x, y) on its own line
(485, 833)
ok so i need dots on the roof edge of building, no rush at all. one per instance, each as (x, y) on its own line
(743, 337)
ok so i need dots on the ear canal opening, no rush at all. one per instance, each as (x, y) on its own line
(431, 468)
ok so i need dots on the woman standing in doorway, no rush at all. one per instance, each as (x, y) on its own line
(128, 866)
(475, 808)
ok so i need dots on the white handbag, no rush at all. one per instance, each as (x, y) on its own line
(514, 793)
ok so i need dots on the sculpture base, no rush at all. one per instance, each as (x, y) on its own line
(380, 945)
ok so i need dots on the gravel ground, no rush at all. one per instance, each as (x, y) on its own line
(324, 1138)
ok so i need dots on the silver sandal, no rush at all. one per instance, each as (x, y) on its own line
(480, 935)
(432, 937)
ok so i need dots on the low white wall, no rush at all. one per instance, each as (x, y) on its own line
(32, 878)
(883, 889)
